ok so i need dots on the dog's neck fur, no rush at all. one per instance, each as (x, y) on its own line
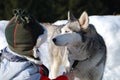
(90, 44)
(77, 53)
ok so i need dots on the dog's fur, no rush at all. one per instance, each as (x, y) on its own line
(57, 56)
(40, 40)
(80, 41)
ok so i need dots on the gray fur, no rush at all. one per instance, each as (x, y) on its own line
(90, 50)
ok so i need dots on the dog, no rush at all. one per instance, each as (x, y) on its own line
(56, 53)
(84, 47)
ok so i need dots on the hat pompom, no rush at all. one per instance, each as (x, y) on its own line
(22, 32)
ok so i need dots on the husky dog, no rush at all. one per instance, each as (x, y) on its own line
(86, 49)
(56, 53)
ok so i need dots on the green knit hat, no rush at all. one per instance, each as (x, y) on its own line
(22, 32)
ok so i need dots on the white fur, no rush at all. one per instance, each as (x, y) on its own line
(40, 40)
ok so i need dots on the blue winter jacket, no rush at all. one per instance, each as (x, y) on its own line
(13, 67)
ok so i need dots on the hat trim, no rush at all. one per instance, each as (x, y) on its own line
(14, 38)
(28, 57)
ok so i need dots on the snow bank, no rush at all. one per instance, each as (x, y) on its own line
(3, 42)
(107, 26)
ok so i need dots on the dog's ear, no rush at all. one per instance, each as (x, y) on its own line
(83, 20)
(70, 16)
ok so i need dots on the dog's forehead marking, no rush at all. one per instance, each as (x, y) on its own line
(72, 26)
(65, 29)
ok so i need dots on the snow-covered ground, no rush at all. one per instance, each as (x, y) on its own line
(107, 26)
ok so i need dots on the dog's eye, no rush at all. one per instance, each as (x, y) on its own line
(66, 31)
(60, 31)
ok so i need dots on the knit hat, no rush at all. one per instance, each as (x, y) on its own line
(22, 32)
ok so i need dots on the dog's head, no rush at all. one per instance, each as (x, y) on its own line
(74, 32)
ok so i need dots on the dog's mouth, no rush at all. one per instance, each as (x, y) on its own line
(66, 44)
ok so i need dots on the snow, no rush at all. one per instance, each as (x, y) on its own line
(60, 22)
(3, 42)
(107, 26)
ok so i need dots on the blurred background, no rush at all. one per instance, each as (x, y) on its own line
(52, 10)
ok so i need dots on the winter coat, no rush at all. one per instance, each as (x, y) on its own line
(14, 67)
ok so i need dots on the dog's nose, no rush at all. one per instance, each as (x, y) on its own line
(54, 40)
